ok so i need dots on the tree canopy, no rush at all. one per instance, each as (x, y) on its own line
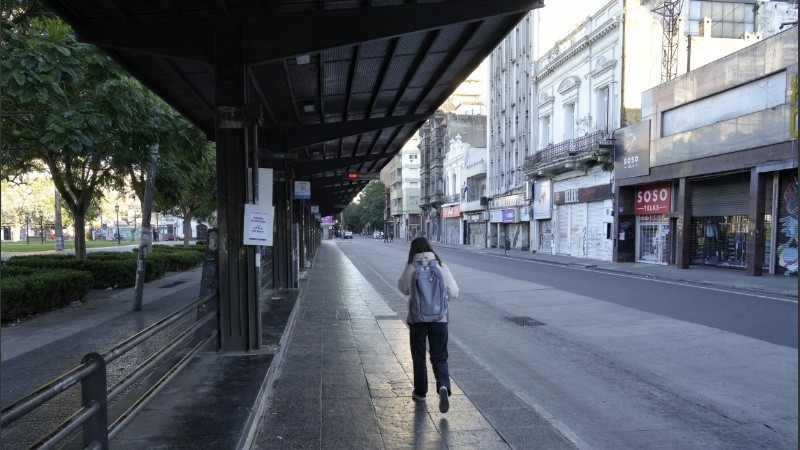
(68, 107)
(368, 209)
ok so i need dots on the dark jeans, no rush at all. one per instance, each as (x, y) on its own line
(436, 335)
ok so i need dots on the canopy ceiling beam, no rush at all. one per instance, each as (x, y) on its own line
(274, 36)
(285, 138)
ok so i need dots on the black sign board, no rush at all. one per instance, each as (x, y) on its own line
(582, 195)
(632, 151)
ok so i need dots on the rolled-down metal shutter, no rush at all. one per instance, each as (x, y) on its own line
(562, 236)
(723, 196)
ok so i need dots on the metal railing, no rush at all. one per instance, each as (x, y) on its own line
(92, 375)
(571, 148)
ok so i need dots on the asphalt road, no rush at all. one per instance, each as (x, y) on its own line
(618, 361)
(771, 319)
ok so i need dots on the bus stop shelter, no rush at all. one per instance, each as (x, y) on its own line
(312, 89)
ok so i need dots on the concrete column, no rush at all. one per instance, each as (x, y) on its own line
(237, 277)
(683, 234)
(756, 238)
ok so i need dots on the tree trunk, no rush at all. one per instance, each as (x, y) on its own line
(80, 235)
(187, 229)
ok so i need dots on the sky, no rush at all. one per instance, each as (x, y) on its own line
(558, 17)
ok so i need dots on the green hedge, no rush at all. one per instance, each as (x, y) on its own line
(38, 283)
(107, 272)
(25, 294)
(115, 269)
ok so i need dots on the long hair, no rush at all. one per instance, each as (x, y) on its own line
(420, 245)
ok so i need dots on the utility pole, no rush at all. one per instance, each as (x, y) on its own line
(59, 233)
(146, 244)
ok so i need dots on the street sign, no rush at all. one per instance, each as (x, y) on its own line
(362, 176)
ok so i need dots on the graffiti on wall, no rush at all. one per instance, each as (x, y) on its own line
(787, 250)
(598, 244)
(577, 236)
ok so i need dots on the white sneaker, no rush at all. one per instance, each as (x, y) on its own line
(444, 401)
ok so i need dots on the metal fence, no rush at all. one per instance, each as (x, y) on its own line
(92, 375)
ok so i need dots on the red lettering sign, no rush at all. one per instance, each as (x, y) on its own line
(654, 199)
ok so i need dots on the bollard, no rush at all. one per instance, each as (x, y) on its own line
(93, 390)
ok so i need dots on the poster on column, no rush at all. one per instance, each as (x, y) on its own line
(258, 224)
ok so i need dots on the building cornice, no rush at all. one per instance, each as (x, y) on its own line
(578, 46)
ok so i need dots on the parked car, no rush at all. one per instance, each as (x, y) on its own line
(171, 237)
(348, 235)
(378, 234)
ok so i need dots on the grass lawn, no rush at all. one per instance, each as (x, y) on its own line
(36, 245)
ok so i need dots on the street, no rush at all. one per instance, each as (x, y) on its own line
(617, 361)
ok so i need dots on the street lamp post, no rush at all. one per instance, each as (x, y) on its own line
(41, 225)
(27, 228)
(116, 208)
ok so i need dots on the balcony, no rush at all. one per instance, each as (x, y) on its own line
(454, 198)
(567, 155)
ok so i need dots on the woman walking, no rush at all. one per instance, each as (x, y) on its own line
(434, 332)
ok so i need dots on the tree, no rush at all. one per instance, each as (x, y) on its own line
(69, 106)
(186, 181)
(368, 208)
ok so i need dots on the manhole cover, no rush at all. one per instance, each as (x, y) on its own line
(525, 321)
(173, 284)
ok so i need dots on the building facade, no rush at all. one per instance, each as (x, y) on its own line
(401, 177)
(440, 187)
(509, 138)
(709, 176)
(589, 84)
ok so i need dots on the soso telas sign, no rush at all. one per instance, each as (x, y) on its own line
(654, 199)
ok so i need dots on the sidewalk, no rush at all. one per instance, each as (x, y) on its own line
(345, 380)
(706, 276)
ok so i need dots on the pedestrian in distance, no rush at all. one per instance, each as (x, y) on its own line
(430, 285)
(391, 237)
(385, 238)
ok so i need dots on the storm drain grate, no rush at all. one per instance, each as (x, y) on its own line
(173, 284)
(525, 321)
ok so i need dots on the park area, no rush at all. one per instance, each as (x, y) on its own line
(36, 283)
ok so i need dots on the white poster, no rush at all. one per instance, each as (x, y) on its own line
(302, 190)
(541, 200)
(258, 224)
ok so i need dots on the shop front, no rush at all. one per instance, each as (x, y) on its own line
(583, 222)
(509, 219)
(654, 242)
(475, 229)
(451, 216)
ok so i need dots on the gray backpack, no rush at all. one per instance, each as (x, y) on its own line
(428, 292)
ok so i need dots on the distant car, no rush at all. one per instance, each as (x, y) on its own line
(348, 235)
(171, 237)
(377, 234)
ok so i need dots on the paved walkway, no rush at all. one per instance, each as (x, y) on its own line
(345, 380)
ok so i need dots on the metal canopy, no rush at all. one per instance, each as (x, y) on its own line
(340, 85)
